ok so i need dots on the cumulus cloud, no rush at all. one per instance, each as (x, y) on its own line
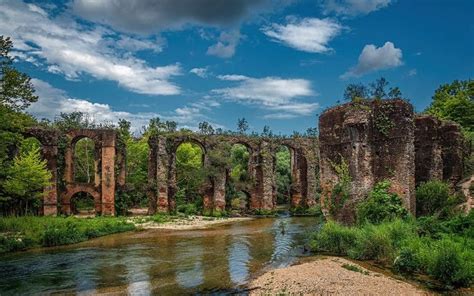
(374, 58)
(201, 72)
(275, 94)
(147, 16)
(72, 49)
(53, 101)
(307, 34)
(225, 46)
(353, 7)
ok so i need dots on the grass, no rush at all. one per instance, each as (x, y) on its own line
(443, 250)
(21, 233)
(354, 268)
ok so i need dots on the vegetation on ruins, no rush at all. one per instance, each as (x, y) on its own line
(375, 90)
(340, 191)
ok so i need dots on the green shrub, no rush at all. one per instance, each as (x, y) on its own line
(452, 266)
(381, 205)
(373, 243)
(188, 209)
(334, 238)
(433, 198)
(407, 261)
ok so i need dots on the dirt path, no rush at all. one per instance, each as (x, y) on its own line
(327, 276)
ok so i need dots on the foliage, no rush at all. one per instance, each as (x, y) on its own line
(242, 125)
(340, 191)
(334, 238)
(16, 89)
(205, 128)
(26, 179)
(455, 101)
(354, 268)
(188, 209)
(190, 173)
(381, 205)
(433, 197)
(19, 233)
(375, 90)
(239, 162)
(447, 258)
(84, 165)
(283, 175)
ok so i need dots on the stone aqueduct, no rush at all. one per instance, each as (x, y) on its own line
(378, 139)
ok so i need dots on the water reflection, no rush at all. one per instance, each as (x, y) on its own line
(157, 262)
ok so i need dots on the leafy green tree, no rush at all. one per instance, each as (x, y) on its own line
(16, 89)
(26, 179)
(283, 175)
(375, 90)
(239, 161)
(16, 93)
(455, 101)
(381, 205)
(190, 173)
(242, 125)
(84, 161)
(205, 128)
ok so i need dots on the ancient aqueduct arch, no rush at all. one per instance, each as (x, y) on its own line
(379, 140)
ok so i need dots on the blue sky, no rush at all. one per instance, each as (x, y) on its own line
(274, 62)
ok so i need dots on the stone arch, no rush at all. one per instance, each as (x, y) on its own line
(104, 183)
(73, 190)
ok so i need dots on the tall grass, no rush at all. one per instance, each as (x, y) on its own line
(20, 233)
(447, 256)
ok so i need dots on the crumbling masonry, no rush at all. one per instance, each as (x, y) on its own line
(378, 140)
(384, 140)
(261, 168)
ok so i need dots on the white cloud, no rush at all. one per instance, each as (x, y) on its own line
(72, 49)
(201, 72)
(307, 34)
(412, 72)
(353, 7)
(225, 46)
(52, 101)
(374, 58)
(273, 94)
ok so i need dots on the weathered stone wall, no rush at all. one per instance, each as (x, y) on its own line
(262, 186)
(376, 140)
(439, 147)
(384, 140)
(103, 188)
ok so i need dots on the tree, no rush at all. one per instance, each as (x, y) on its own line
(455, 101)
(267, 132)
(205, 128)
(283, 174)
(189, 172)
(375, 90)
(26, 179)
(242, 125)
(355, 91)
(16, 90)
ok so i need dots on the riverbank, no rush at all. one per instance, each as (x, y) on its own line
(22, 233)
(330, 276)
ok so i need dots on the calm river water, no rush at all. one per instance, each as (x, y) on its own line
(216, 260)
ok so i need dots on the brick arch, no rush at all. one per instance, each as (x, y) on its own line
(73, 190)
(189, 139)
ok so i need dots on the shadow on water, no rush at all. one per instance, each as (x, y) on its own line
(218, 260)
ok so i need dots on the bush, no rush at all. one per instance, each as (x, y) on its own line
(373, 243)
(381, 205)
(406, 262)
(18, 233)
(334, 238)
(451, 265)
(433, 198)
(188, 209)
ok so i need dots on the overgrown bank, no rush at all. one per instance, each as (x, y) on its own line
(438, 244)
(21, 233)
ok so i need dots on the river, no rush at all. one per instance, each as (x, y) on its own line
(216, 260)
